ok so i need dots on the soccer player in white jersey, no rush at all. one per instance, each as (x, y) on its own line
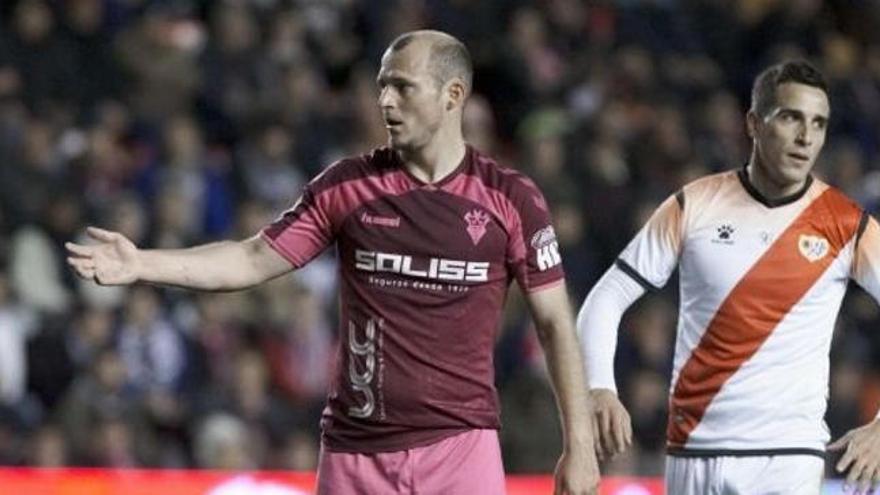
(764, 256)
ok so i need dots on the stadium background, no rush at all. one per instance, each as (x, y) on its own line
(181, 122)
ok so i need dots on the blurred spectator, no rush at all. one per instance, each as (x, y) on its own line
(17, 323)
(37, 271)
(271, 174)
(30, 174)
(48, 448)
(96, 398)
(158, 55)
(180, 122)
(91, 332)
(150, 348)
(88, 35)
(224, 442)
(299, 452)
(190, 186)
(301, 350)
(232, 70)
(42, 65)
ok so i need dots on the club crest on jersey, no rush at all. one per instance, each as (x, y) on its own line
(546, 248)
(476, 221)
(812, 247)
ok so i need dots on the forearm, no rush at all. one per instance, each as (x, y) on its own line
(219, 266)
(598, 321)
(565, 367)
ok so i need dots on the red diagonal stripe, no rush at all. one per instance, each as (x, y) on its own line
(755, 307)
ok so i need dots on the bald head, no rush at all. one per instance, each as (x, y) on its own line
(448, 58)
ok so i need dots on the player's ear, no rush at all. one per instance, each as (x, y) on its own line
(456, 93)
(752, 122)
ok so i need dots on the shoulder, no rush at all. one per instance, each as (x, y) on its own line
(511, 183)
(841, 208)
(706, 187)
(834, 194)
(374, 163)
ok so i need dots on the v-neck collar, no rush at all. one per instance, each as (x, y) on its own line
(465, 162)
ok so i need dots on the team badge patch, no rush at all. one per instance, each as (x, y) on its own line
(812, 247)
(476, 221)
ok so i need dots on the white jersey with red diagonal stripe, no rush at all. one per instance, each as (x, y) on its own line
(761, 283)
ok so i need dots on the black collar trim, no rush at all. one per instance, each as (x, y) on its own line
(743, 175)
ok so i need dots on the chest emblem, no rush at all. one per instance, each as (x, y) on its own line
(476, 221)
(812, 247)
(724, 234)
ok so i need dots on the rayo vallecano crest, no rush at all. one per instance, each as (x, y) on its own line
(812, 247)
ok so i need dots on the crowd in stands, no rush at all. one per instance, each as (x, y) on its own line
(179, 122)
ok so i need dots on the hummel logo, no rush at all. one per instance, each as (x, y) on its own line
(368, 219)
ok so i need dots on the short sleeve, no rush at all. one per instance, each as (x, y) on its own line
(866, 260)
(652, 255)
(302, 232)
(534, 252)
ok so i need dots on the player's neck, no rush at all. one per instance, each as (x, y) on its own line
(770, 189)
(435, 161)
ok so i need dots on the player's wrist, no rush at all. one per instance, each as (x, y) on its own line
(577, 438)
(140, 262)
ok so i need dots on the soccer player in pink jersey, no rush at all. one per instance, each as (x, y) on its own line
(429, 233)
(764, 257)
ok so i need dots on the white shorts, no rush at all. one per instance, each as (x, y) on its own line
(750, 475)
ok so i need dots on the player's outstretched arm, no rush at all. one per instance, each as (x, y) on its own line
(861, 457)
(222, 266)
(577, 472)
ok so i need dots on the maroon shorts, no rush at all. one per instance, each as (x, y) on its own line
(463, 464)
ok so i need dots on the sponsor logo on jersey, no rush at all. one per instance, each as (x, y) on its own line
(381, 221)
(724, 234)
(476, 221)
(362, 381)
(812, 247)
(546, 248)
(431, 268)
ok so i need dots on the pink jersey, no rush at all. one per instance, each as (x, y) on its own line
(424, 274)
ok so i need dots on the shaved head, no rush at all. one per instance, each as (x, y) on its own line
(448, 58)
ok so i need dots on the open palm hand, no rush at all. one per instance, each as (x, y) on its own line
(112, 260)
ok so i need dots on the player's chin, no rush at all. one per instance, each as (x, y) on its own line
(792, 173)
(797, 175)
(398, 144)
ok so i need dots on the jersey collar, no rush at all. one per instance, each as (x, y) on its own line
(465, 162)
(772, 202)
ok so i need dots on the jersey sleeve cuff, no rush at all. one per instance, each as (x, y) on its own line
(635, 275)
(544, 286)
(291, 257)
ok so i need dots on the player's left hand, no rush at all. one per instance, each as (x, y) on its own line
(577, 473)
(861, 457)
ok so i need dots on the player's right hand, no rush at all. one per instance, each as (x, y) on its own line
(612, 427)
(113, 260)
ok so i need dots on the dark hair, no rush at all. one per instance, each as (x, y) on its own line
(791, 71)
(448, 57)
